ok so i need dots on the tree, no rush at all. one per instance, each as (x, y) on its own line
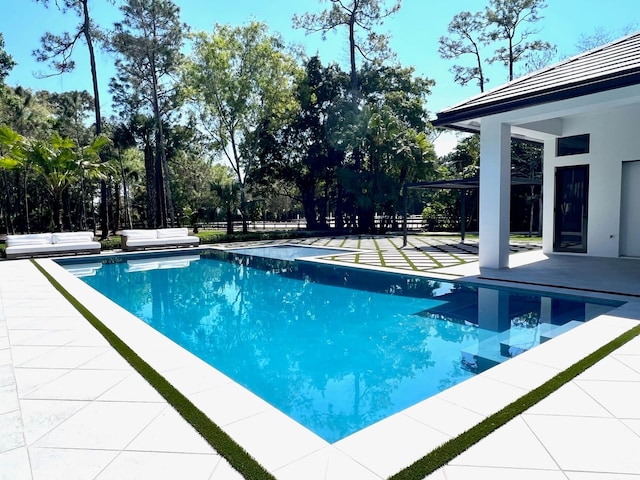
(535, 60)
(225, 187)
(394, 146)
(600, 36)
(71, 111)
(508, 20)
(395, 153)
(29, 114)
(310, 151)
(502, 22)
(300, 159)
(58, 49)
(59, 164)
(191, 168)
(148, 43)
(12, 157)
(354, 14)
(464, 160)
(130, 163)
(6, 61)
(11, 148)
(466, 35)
(237, 77)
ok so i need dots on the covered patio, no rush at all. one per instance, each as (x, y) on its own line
(586, 112)
(617, 277)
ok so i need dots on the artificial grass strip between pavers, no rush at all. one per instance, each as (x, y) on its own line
(449, 450)
(380, 257)
(426, 254)
(237, 457)
(407, 259)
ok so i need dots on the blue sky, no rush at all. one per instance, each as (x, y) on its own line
(414, 31)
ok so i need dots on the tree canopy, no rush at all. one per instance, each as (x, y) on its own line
(234, 124)
(148, 43)
(239, 78)
(6, 61)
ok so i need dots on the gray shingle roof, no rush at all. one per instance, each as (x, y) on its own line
(614, 65)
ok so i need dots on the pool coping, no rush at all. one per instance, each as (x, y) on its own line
(377, 451)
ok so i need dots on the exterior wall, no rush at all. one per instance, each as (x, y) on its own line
(614, 138)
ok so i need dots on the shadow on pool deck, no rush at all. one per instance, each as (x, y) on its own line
(614, 276)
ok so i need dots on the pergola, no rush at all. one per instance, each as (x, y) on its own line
(463, 185)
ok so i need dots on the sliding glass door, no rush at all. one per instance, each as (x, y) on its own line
(571, 209)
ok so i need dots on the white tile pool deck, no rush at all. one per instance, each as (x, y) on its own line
(70, 407)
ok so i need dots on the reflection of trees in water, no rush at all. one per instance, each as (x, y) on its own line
(526, 320)
(309, 349)
(457, 374)
(453, 331)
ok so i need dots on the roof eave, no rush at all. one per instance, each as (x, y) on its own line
(455, 117)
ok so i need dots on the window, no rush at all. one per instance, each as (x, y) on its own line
(572, 145)
(571, 209)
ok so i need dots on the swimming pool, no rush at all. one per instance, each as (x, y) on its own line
(335, 348)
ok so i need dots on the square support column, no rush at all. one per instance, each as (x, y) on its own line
(495, 193)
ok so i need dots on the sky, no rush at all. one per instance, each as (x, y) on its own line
(414, 32)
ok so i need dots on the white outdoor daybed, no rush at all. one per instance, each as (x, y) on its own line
(158, 238)
(45, 244)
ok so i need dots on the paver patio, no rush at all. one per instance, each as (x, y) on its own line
(70, 407)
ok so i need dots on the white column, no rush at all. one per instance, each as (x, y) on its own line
(495, 192)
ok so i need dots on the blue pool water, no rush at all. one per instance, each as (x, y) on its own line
(335, 348)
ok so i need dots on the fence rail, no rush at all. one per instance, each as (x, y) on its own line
(414, 222)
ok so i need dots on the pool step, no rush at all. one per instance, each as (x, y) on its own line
(482, 355)
(487, 353)
(559, 329)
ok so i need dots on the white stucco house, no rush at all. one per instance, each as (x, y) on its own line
(586, 112)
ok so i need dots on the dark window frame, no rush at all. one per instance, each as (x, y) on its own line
(573, 145)
(571, 191)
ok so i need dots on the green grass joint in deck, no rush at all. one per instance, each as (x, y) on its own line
(406, 258)
(237, 457)
(446, 452)
(379, 252)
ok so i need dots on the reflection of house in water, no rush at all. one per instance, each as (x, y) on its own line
(508, 323)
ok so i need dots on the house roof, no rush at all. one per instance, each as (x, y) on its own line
(611, 66)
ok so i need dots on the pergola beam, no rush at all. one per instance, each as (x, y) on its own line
(463, 185)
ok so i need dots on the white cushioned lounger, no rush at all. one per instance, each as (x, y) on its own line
(158, 238)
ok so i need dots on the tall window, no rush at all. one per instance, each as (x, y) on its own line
(571, 209)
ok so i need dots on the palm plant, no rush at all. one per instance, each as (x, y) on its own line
(92, 168)
(11, 158)
(54, 162)
(60, 164)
